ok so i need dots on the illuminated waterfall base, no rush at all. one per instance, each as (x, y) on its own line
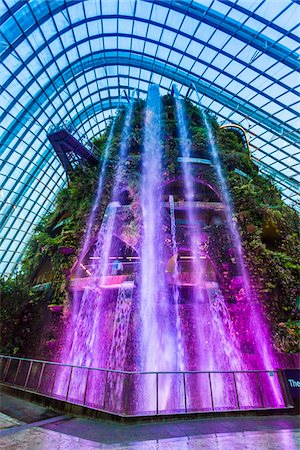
(171, 299)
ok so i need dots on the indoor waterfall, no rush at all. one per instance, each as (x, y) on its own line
(87, 340)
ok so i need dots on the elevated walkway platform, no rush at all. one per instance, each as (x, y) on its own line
(70, 150)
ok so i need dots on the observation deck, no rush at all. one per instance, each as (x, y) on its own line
(70, 149)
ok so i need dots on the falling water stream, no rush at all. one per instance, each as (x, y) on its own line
(158, 351)
(87, 335)
(96, 203)
(173, 331)
(218, 348)
(176, 294)
(265, 357)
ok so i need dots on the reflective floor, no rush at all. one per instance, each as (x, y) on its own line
(39, 438)
(27, 426)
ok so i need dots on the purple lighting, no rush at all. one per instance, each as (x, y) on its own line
(168, 308)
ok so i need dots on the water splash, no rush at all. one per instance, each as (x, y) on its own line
(176, 295)
(259, 330)
(88, 336)
(96, 203)
(157, 348)
(218, 348)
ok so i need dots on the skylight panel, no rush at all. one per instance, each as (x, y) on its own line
(24, 50)
(145, 74)
(3, 9)
(124, 42)
(143, 9)
(144, 86)
(40, 8)
(289, 172)
(274, 90)
(270, 33)
(76, 12)
(174, 19)
(11, 62)
(159, 13)
(168, 37)
(11, 30)
(270, 13)
(110, 42)
(187, 63)
(61, 20)
(139, 28)
(62, 62)
(189, 25)
(211, 74)
(204, 32)
(150, 48)
(96, 45)
(80, 32)
(36, 38)
(291, 44)
(284, 115)
(219, 38)
(84, 49)
(278, 70)
(154, 32)
(247, 75)
(254, 24)
(289, 18)
(24, 17)
(109, 26)
(156, 78)
(291, 80)
(94, 28)
(24, 76)
(126, 8)
(162, 52)
(261, 82)
(125, 26)
(263, 62)
(110, 8)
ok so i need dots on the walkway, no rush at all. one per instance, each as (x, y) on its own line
(59, 432)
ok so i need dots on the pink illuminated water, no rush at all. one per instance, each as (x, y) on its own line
(88, 335)
(92, 215)
(176, 294)
(259, 329)
(158, 351)
(171, 326)
(217, 346)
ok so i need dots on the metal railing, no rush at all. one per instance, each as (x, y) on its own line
(129, 394)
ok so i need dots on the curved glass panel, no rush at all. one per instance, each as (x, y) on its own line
(71, 60)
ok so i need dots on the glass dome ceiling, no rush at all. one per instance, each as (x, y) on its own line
(70, 60)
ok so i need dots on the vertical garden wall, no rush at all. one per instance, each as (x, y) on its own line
(36, 302)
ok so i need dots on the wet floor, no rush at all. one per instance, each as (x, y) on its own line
(26, 426)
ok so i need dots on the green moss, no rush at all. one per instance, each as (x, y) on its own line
(269, 228)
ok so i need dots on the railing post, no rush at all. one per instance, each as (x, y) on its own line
(236, 391)
(211, 393)
(184, 388)
(54, 379)
(69, 382)
(7, 366)
(106, 379)
(283, 383)
(156, 377)
(86, 386)
(40, 377)
(28, 374)
(17, 372)
(259, 390)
